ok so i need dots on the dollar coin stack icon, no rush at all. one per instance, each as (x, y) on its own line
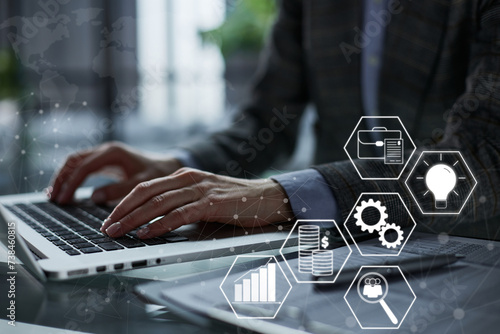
(322, 262)
(308, 243)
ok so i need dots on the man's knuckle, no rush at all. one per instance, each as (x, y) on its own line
(141, 187)
(157, 201)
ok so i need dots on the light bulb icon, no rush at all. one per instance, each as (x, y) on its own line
(440, 180)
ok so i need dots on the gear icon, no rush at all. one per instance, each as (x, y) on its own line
(359, 212)
(390, 244)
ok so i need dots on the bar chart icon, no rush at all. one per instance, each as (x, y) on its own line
(257, 285)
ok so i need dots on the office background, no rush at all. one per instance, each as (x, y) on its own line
(149, 73)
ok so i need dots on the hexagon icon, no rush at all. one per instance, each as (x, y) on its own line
(255, 287)
(384, 142)
(441, 182)
(320, 260)
(385, 218)
(380, 297)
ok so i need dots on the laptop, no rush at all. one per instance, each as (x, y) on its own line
(64, 242)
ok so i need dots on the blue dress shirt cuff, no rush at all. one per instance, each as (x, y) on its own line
(185, 158)
(309, 195)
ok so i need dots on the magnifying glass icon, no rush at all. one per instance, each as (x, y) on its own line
(372, 292)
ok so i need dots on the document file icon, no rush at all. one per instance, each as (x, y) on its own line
(393, 151)
(372, 143)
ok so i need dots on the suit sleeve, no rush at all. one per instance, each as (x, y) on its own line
(472, 127)
(265, 129)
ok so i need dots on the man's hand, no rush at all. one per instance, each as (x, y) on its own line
(133, 167)
(190, 195)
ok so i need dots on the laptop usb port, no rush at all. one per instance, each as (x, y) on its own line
(100, 269)
(137, 264)
(119, 266)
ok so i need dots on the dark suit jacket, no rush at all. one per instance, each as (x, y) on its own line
(440, 73)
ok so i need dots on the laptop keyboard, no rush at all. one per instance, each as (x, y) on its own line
(75, 229)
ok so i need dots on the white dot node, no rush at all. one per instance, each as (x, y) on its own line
(280, 227)
(56, 105)
(231, 249)
(202, 283)
(289, 219)
(243, 199)
(179, 260)
(490, 246)
(285, 200)
(16, 136)
(294, 178)
(25, 125)
(107, 300)
(34, 139)
(261, 197)
(32, 93)
(40, 112)
(304, 209)
(279, 212)
(423, 285)
(23, 152)
(25, 178)
(267, 242)
(246, 232)
(44, 122)
(54, 130)
(211, 203)
(443, 238)
(41, 172)
(458, 313)
(327, 232)
(482, 199)
(56, 145)
(256, 216)
(235, 216)
(84, 103)
(413, 328)
(350, 322)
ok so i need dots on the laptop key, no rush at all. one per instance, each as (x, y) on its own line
(77, 241)
(177, 238)
(130, 243)
(72, 252)
(65, 247)
(83, 245)
(90, 250)
(88, 232)
(154, 241)
(110, 246)
(58, 242)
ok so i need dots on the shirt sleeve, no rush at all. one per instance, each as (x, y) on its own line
(309, 195)
(185, 158)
